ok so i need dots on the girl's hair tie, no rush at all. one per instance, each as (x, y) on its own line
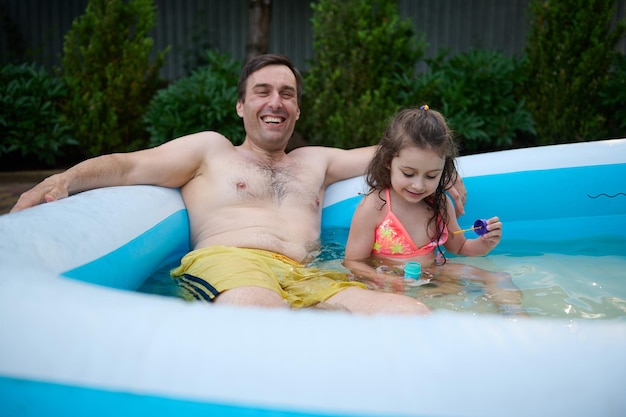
(424, 107)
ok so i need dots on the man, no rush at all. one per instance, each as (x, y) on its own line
(254, 210)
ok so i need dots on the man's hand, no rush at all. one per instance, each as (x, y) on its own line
(459, 195)
(50, 189)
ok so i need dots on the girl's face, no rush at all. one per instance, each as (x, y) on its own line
(415, 173)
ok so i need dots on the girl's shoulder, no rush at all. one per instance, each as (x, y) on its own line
(375, 200)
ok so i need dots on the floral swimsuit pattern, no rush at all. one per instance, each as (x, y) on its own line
(392, 240)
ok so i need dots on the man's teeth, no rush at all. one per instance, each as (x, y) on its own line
(268, 119)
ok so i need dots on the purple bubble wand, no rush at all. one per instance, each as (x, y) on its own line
(480, 227)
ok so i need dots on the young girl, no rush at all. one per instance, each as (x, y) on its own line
(406, 215)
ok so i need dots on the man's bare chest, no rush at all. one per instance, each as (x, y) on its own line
(258, 183)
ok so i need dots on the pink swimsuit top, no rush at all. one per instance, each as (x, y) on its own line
(392, 240)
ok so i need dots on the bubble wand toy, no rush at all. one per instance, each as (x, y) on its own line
(480, 227)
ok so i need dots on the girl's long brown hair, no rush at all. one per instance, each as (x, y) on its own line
(428, 130)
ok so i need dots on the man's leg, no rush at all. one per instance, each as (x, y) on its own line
(360, 300)
(251, 296)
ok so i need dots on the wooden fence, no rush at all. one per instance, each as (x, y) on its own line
(37, 27)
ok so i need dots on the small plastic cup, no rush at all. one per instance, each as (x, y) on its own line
(412, 270)
(480, 227)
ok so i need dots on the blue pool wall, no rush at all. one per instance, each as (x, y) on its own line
(545, 205)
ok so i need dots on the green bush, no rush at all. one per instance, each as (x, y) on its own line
(570, 47)
(30, 123)
(111, 81)
(205, 100)
(362, 50)
(476, 92)
(613, 96)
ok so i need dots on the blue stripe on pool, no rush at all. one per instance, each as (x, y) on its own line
(136, 260)
(339, 215)
(569, 202)
(558, 193)
(27, 398)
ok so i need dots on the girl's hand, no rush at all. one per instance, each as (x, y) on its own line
(494, 232)
(383, 281)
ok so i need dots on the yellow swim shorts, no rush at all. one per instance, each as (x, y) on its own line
(204, 273)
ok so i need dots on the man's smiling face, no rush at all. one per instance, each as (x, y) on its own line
(270, 109)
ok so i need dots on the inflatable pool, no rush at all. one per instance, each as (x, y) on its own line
(78, 340)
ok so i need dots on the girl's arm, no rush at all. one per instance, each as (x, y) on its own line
(360, 242)
(479, 246)
(362, 229)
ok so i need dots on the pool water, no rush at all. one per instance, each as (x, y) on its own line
(575, 279)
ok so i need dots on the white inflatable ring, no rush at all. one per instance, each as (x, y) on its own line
(77, 342)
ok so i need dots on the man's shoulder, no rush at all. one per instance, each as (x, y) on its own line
(213, 136)
(206, 139)
(313, 150)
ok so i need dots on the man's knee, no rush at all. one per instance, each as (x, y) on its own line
(408, 305)
(251, 296)
(360, 300)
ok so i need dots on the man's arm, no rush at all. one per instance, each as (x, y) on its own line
(344, 164)
(170, 165)
(71, 181)
(458, 193)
